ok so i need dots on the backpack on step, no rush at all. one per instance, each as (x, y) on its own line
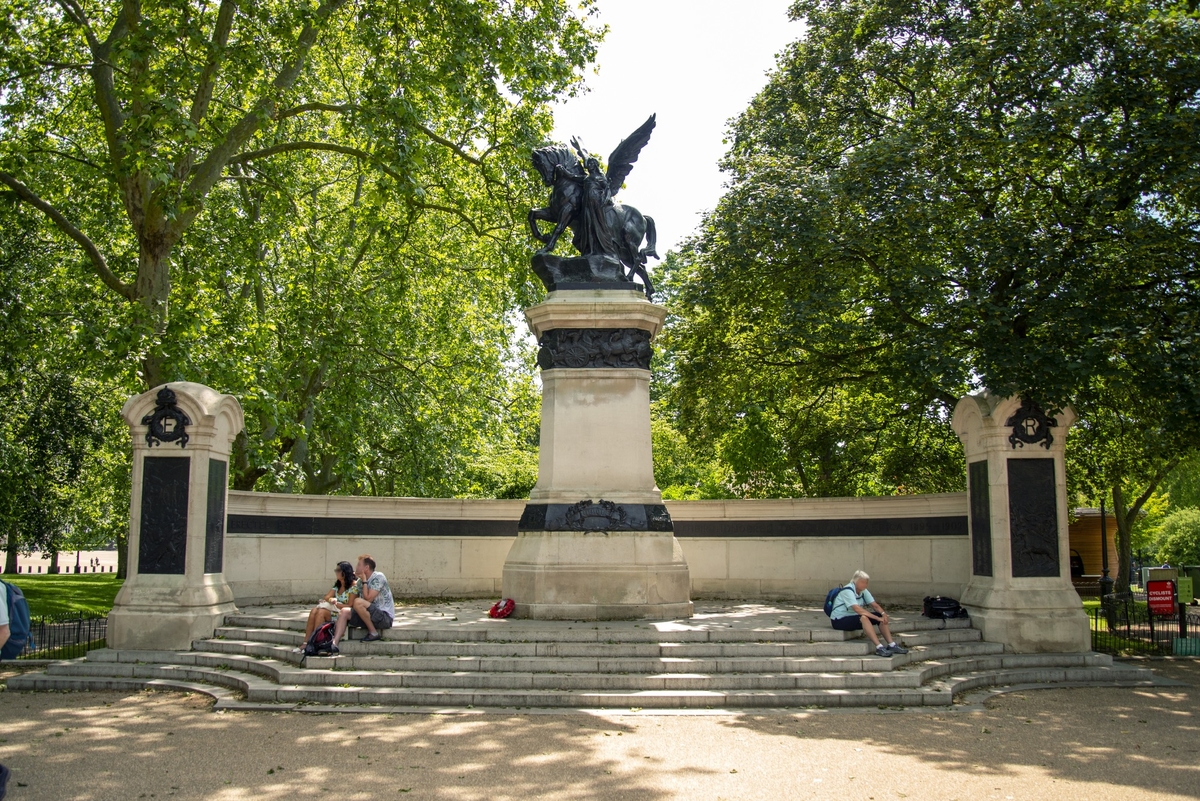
(830, 597)
(19, 622)
(941, 608)
(320, 641)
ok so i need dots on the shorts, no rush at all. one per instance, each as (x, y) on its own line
(849, 623)
(379, 619)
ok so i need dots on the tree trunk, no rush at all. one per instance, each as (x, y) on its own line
(154, 291)
(244, 476)
(10, 557)
(1124, 538)
(1127, 514)
(53, 562)
(122, 556)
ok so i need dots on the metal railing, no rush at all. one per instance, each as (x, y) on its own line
(65, 636)
(1123, 625)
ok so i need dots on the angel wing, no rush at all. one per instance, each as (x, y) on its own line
(625, 154)
(545, 159)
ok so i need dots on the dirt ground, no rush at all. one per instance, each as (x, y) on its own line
(1045, 744)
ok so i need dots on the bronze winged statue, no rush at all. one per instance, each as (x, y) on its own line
(582, 200)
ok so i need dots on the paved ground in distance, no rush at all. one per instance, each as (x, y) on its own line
(1048, 744)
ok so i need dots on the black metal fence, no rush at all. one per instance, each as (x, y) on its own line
(65, 636)
(1124, 625)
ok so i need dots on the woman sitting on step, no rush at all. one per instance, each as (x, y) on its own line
(343, 593)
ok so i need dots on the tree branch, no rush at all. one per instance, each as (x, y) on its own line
(336, 108)
(97, 258)
(216, 53)
(102, 79)
(456, 212)
(344, 108)
(208, 172)
(290, 147)
(441, 140)
(76, 14)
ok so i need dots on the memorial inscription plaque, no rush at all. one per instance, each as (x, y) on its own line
(214, 527)
(981, 519)
(163, 539)
(1033, 518)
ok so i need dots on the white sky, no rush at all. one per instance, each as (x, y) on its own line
(695, 63)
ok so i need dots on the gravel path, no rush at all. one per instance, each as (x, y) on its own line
(1053, 744)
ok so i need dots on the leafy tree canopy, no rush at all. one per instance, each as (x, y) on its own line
(927, 199)
(318, 208)
(1179, 543)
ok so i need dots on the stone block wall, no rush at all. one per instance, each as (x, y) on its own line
(284, 547)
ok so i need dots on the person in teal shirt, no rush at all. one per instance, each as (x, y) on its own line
(855, 609)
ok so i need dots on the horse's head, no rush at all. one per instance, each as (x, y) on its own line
(545, 159)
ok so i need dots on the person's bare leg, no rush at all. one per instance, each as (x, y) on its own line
(887, 633)
(340, 628)
(869, 630)
(316, 618)
(364, 613)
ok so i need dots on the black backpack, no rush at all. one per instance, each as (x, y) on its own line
(941, 608)
(321, 640)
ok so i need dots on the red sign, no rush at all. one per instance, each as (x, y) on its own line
(1161, 597)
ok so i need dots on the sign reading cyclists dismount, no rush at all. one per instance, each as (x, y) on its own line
(1160, 595)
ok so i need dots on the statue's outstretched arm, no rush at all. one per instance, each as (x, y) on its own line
(561, 172)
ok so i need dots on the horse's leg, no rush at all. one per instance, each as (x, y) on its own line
(534, 216)
(629, 229)
(564, 219)
(640, 271)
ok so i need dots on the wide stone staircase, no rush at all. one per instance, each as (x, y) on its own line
(729, 656)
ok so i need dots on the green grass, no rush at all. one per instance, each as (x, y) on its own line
(52, 595)
(67, 651)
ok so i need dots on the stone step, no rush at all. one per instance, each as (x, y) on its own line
(279, 671)
(100, 663)
(284, 674)
(938, 636)
(940, 692)
(394, 646)
(600, 665)
(510, 630)
(516, 681)
(551, 664)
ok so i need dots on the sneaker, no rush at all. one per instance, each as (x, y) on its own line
(897, 649)
(373, 637)
(882, 650)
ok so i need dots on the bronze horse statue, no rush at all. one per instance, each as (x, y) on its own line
(581, 199)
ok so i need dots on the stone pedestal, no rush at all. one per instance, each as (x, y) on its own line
(175, 591)
(595, 541)
(1020, 592)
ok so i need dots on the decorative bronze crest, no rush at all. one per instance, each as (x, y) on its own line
(1030, 425)
(602, 516)
(167, 423)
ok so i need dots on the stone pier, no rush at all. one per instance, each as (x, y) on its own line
(1019, 592)
(595, 540)
(175, 591)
